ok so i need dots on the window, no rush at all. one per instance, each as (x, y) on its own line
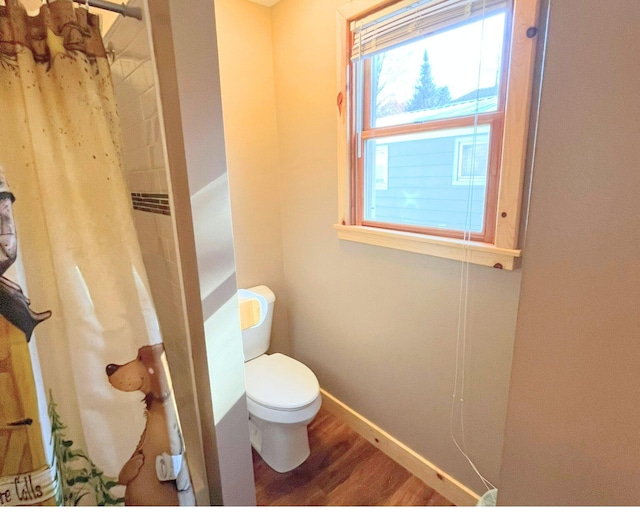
(471, 159)
(435, 123)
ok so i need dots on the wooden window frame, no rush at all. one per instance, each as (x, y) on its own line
(497, 245)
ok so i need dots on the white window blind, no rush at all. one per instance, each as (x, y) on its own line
(408, 19)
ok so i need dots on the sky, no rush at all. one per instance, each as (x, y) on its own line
(464, 59)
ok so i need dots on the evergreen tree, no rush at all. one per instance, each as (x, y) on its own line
(426, 93)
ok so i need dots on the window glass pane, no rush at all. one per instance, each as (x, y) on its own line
(434, 179)
(452, 73)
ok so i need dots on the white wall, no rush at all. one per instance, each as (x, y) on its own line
(573, 435)
(377, 326)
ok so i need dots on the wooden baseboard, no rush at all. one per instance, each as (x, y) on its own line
(430, 474)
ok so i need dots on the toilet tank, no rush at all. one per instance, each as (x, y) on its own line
(256, 339)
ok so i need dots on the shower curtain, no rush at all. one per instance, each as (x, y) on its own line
(97, 408)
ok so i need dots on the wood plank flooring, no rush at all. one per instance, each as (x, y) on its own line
(343, 470)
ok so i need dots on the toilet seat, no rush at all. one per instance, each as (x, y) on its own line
(281, 383)
(284, 417)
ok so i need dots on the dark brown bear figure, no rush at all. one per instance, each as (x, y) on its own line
(157, 472)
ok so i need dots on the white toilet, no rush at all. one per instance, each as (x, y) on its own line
(283, 395)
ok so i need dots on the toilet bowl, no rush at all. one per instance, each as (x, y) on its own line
(283, 395)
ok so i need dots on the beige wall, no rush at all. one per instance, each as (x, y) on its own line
(249, 113)
(573, 430)
(377, 326)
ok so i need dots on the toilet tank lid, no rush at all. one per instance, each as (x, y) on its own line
(280, 382)
(264, 291)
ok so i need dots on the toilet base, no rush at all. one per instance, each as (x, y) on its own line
(283, 447)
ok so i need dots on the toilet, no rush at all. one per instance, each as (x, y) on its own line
(283, 395)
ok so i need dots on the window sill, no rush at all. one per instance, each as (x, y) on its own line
(474, 252)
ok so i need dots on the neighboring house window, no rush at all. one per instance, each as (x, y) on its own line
(471, 159)
(437, 94)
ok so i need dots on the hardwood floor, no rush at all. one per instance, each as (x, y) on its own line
(343, 470)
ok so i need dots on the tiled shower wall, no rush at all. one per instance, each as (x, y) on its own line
(146, 174)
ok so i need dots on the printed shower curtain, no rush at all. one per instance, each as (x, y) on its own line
(87, 414)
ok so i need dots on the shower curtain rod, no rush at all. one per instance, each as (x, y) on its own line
(125, 10)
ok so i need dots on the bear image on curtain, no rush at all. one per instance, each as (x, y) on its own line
(156, 473)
